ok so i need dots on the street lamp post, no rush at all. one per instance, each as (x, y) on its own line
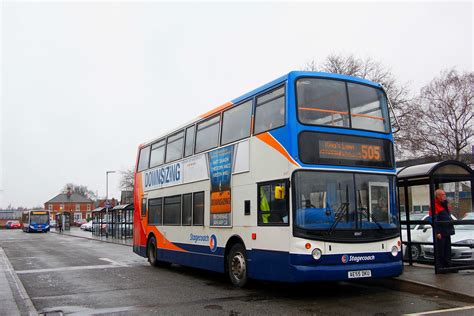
(107, 201)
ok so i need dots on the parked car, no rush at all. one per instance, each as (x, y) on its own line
(52, 223)
(87, 226)
(464, 236)
(418, 233)
(79, 222)
(13, 225)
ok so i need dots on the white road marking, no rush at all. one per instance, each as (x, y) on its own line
(99, 266)
(439, 311)
(113, 262)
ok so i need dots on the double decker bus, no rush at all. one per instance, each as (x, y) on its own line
(35, 221)
(293, 182)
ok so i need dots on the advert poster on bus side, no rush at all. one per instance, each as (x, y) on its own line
(220, 169)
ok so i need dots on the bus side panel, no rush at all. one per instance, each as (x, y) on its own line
(196, 257)
(269, 265)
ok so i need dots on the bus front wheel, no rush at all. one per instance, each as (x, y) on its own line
(237, 265)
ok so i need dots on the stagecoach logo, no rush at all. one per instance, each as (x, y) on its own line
(346, 258)
(213, 243)
(198, 238)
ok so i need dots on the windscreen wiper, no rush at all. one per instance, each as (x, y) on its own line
(340, 212)
(373, 219)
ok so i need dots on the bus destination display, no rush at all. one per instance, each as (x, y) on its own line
(345, 150)
(353, 151)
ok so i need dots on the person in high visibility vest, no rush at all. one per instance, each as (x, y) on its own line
(264, 206)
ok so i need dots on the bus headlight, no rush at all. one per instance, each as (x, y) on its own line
(394, 251)
(317, 253)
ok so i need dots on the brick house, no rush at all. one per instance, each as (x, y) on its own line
(79, 206)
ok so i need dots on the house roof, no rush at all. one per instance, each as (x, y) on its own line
(74, 198)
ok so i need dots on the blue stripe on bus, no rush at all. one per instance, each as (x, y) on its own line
(283, 266)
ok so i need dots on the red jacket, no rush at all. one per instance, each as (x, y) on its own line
(438, 207)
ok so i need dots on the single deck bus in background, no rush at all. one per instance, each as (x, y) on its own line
(294, 182)
(35, 221)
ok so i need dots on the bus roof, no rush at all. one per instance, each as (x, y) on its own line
(291, 75)
(296, 74)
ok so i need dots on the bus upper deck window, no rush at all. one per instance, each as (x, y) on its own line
(270, 110)
(189, 145)
(322, 102)
(157, 156)
(368, 108)
(174, 148)
(341, 104)
(143, 159)
(207, 134)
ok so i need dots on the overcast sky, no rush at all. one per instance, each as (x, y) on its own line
(84, 84)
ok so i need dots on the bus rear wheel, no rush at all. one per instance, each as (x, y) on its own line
(151, 251)
(237, 265)
(152, 254)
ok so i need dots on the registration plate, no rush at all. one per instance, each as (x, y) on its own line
(359, 274)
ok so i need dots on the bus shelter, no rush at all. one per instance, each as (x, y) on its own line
(116, 222)
(99, 221)
(63, 221)
(121, 225)
(416, 196)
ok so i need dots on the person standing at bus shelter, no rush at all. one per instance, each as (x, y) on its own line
(444, 231)
(60, 222)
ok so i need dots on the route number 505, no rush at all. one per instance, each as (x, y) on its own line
(370, 152)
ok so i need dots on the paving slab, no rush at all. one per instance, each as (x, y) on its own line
(461, 283)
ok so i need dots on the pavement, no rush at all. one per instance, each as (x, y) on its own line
(458, 284)
(77, 232)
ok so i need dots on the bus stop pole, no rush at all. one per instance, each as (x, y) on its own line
(107, 202)
(434, 226)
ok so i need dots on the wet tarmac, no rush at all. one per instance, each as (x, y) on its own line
(69, 275)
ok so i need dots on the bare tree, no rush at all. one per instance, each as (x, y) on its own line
(374, 71)
(80, 189)
(127, 180)
(441, 119)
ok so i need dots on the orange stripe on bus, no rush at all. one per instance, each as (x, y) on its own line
(216, 110)
(269, 140)
(342, 113)
(369, 116)
(161, 241)
(139, 233)
(323, 110)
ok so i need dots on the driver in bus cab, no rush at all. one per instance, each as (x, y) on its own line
(381, 210)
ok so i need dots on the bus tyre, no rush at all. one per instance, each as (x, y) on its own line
(151, 251)
(237, 265)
